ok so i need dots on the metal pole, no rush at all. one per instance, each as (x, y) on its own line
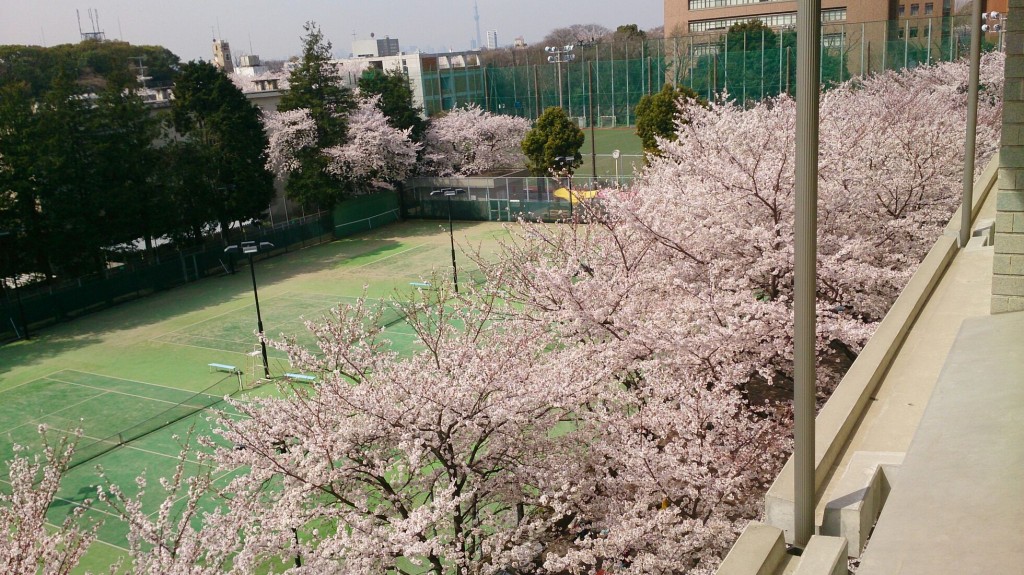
(259, 318)
(863, 43)
(21, 307)
(559, 80)
(590, 95)
(806, 247)
(451, 235)
(906, 45)
(972, 126)
(569, 186)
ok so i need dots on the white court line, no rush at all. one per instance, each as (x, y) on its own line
(386, 257)
(34, 419)
(192, 394)
(232, 310)
(47, 376)
(246, 353)
(123, 379)
(212, 480)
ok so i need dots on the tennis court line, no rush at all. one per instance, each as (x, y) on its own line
(233, 310)
(126, 379)
(128, 394)
(34, 419)
(210, 338)
(212, 481)
(47, 376)
(216, 349)
(378, 260)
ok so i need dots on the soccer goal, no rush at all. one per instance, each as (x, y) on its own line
(606, 122)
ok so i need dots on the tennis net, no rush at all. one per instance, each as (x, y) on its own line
(204, 399)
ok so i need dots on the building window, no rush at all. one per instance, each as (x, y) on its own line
(929, 9)
(705, 4)
(902, 10)
(783, 20)
(913, 32)
(914, 9)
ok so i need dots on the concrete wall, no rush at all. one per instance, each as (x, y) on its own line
(1008, 266)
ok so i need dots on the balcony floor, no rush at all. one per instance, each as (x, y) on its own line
(957, 505)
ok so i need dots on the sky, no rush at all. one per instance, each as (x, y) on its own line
(273, 28)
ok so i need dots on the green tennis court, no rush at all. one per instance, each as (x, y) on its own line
(132, 366)
(149, 421)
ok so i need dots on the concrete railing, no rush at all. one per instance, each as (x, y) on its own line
(839, 417)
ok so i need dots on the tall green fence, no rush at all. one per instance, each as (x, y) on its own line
(364, 213)
(606, 79)
(35, 306)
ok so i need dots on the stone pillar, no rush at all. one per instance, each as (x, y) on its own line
(1008, 266)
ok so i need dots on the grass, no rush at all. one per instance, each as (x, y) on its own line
(606, 140)
(105, 371)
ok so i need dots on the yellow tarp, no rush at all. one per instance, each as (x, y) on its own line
(577, 195)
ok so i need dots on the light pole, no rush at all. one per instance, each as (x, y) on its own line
(567, 162)
(250, 248)
(448, 193)
(558, 55)
(998, 27)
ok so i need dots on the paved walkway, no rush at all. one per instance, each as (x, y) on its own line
(896, 408)
(957, 506)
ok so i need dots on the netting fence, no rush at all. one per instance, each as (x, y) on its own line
(204, 399)
(364, 213)
(134, 275)
(606, 80)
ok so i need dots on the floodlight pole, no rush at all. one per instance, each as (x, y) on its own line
(448, 193)
(560, 54)
(250, 248)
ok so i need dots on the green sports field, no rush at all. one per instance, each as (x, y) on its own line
(134, 366)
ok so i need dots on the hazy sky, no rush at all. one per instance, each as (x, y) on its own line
(273, 27)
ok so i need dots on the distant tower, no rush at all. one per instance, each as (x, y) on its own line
(492, 39)
(222, 56)
(96, 35)
(476, 16)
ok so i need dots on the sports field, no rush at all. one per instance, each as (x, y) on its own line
(146, 363)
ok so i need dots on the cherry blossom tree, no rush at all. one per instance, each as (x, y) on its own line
(468, 141)
(28, 546)
(288, 133)
(179, 538)
(376, 154)
(605, 400)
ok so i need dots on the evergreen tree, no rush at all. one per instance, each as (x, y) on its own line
(554, 136)
(212, 114)
(395, 100)
(656, 115)
(315, 85)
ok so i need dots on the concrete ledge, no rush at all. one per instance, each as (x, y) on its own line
(862, 491)
(824, 556)
(760, 550)
(838, 418)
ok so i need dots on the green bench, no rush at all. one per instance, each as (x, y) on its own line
(300, 377)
